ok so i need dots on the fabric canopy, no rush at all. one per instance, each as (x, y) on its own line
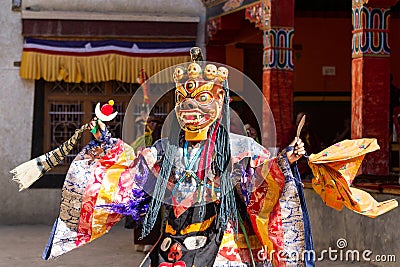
(98, 61)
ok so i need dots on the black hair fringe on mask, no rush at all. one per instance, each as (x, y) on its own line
(223, 158)
(163, 176)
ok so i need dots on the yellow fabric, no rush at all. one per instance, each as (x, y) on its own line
(268, 203)
(335, 168)
(232, 240)
(91, 69)
(108, 190)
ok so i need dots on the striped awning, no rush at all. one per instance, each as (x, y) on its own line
(98, 61)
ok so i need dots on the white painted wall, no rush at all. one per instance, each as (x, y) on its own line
(16, 95)
(16, 115)
(153, 7)
(186, 7)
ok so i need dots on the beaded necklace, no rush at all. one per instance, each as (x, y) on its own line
(189, 164)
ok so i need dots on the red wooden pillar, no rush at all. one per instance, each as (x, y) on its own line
(370, 79)
(276, 19)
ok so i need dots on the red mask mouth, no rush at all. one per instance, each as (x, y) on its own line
(194, 117)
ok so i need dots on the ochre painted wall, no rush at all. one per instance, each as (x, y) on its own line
(322, 42)
(327, 42)
(318, 42)
(234, 57)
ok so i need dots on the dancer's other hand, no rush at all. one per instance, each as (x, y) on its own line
(297, 152)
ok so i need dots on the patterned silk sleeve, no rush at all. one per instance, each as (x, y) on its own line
(104, 182)
(276, 203)
(273, 194)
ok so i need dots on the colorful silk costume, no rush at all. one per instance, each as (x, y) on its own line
(267, 195)
(227, 203)
(270, 201)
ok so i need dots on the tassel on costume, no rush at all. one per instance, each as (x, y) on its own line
(162, 179)
(159, 190)
(228, 210)
(29, 172)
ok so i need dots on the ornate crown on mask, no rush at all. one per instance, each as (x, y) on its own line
(199, 97)
(211, 73)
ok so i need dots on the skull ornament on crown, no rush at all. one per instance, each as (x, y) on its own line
(178, 74)
(211, 71)
(194, 71)
(199, 100)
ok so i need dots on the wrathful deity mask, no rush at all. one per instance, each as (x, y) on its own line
(199, 100)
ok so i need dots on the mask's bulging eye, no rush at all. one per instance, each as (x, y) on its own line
(195, 242)
(166, 244)
(204, 98)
